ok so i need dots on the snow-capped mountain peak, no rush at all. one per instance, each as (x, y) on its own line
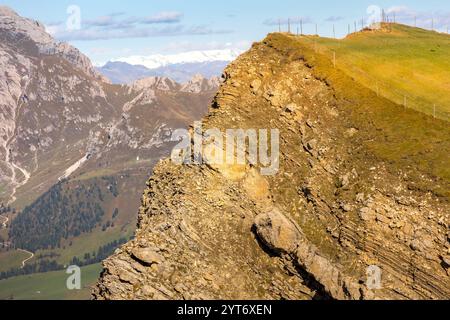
(159, 60)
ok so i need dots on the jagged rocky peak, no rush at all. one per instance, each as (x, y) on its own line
(4, 10)
(199, 83)
(196, 85)
(18, 27)
(155, 83)
(31, 38)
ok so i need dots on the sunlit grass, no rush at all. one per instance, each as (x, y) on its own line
(11, 259)
(408, 141)
(397, 61)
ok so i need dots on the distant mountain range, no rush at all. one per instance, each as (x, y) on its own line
(159, 60)
(124, 73)
(180, 67)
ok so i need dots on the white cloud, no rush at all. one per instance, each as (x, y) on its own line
(163, 17)
(111, 20)
(90, 34)
(115, 26)
(424, 19)
(334, 19)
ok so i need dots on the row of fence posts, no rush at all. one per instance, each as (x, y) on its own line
(387, 19)
(377, 87)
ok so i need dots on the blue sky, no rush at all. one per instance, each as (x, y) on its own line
(118, 28)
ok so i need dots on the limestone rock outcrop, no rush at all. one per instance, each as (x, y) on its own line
(339, 206)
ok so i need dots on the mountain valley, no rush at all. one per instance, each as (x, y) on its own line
(72, 142)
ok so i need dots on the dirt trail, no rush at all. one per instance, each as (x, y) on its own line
(5, 222)
(27, 259)
(8, 244)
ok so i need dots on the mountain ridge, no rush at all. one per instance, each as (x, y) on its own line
(20, 30)
(36, 77)
(66, 131)
(353, 196)
(124, 73)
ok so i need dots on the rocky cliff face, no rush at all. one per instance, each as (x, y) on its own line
(30, 36)
(338, 208)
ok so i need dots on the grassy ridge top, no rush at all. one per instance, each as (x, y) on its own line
(410, 143)
(397, 61)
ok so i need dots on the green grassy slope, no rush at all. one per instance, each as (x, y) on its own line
(409, 142)
(11, 259)
(49, 286)
(121, 226)
(88, 243)
(397, 61)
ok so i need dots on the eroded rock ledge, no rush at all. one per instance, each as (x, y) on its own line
(308, 232)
